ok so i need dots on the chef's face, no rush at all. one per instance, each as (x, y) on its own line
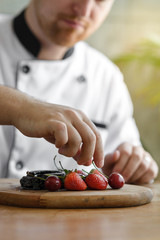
(66, 22)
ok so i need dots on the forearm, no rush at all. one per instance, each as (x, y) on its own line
(11, 103)
(63, 126)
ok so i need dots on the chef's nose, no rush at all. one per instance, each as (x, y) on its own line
(82, 8)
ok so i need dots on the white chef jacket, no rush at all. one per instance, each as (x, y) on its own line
(86, 80)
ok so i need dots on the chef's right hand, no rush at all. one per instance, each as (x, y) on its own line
(69, 129)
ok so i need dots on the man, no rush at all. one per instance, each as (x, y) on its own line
(64, 89)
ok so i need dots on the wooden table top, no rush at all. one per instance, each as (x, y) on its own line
(131, 223)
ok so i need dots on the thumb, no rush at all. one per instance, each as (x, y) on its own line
(111, 158)
(109, 161)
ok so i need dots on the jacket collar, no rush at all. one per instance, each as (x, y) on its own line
(27, 38)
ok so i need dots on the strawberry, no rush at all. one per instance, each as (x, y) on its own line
(95, 181)
(96, 171)
(73, 181)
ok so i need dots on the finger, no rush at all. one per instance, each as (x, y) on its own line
(89, 163)
(141, 170)
(109, 162)
(125, 153)
(56, 133)
(149, 175)
(112, 158)
(76, 157)
(50, 139)
(77, 154)
(98, 156)
(88, 143)
(74, 141)
(133, 163)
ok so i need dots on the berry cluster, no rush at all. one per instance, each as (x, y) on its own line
(80, 180)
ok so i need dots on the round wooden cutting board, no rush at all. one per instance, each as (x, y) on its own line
(130, 195)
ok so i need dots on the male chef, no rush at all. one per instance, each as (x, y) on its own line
(59, 96)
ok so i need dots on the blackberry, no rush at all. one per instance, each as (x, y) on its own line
(35, 180)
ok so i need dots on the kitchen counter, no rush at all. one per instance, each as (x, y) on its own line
(137, 223)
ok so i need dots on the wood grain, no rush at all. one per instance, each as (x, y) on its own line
(129, 223)
(130, 195)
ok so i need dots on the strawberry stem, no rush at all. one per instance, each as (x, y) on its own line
(85, 171)
(98, 169)
(62, 168)
(54, 160)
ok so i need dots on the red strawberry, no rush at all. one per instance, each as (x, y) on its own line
(99, 173)
(73, 181)
(95, 181)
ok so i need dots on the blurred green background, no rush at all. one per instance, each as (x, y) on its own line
(130, 37)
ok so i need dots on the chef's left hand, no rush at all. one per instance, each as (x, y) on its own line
(133, 163)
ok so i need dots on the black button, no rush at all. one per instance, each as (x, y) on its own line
(25, 69)
(19, 165)
(81, 79)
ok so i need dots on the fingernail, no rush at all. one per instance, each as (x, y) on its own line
(100, 164)
(61, 150)
(80, 161)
